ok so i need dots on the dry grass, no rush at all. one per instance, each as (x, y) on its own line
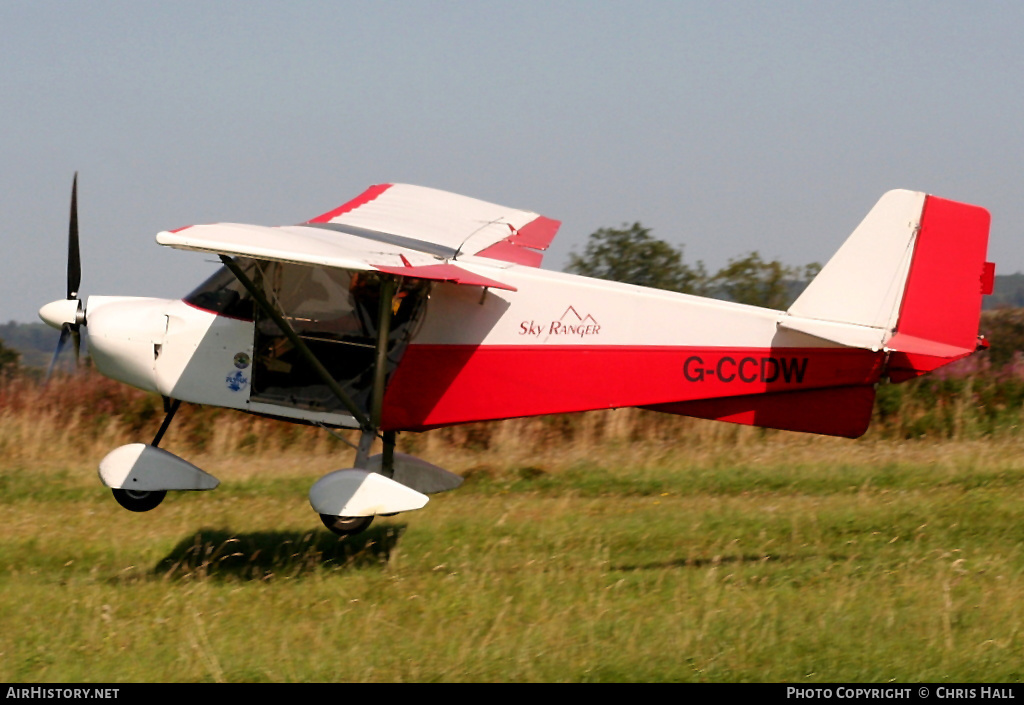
(87, 415)
(613, 546)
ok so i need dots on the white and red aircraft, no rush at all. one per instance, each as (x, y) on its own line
(409, 308)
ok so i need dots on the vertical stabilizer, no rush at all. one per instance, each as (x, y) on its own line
(864, 281)
(910, 279)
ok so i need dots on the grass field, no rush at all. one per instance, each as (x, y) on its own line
(612, 546)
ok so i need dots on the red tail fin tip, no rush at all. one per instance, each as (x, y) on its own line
(941, 306)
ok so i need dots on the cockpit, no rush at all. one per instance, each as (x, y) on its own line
(336, 314)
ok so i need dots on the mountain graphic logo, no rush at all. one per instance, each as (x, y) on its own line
(573, 325)
(576, 317)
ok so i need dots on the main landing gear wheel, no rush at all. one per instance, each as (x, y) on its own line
(139, 501)
(346, 526)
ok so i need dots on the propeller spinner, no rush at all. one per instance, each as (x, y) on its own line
(68, 314)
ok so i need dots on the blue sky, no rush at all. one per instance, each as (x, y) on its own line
(726, 127)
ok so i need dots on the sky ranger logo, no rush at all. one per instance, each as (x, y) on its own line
(571, 325)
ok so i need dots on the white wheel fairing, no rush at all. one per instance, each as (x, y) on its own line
(144, 468)
(358, 493)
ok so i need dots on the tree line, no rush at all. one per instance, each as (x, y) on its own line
(632, 255)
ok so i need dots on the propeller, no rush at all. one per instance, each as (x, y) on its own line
(68, 314)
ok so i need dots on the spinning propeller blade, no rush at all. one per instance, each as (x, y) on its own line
(65, 331)
(74, 258)
(60, 314)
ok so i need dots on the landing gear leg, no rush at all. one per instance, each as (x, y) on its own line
(170, 409)
(387, 468)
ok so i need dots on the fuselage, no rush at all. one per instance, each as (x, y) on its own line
(557, 343)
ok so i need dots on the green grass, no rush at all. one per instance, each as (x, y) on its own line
(779, 559)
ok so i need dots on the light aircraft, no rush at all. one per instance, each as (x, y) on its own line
(409, 308)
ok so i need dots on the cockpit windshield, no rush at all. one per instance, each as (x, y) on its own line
(223, 294)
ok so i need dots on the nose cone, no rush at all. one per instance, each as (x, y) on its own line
(63, 311)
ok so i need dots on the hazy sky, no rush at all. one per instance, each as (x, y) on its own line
(725, 127)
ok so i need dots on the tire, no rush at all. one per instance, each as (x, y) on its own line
(346, 526)
(136, 501)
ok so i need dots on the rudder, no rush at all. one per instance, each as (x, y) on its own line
(949, 275)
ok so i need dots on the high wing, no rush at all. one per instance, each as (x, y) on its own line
(397, 228)
(461, 225)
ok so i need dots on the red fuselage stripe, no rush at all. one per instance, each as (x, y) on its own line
(438, 385)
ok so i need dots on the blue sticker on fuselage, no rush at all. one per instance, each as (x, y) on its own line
(237, 381)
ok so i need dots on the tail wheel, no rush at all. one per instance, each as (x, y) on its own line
(139, 501)
(346, 526)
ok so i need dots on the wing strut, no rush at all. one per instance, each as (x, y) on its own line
(367, 426)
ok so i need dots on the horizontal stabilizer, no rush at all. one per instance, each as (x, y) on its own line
(910, 356)
(853, 336)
